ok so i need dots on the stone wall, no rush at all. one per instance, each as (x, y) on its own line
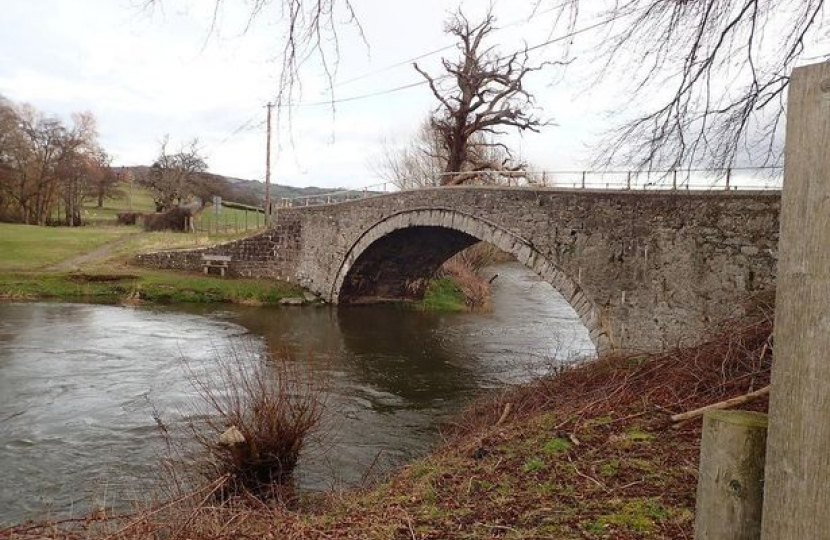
(642, 269)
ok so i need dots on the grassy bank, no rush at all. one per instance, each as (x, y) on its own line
(443, 294)
(585, 453)
(28, 253)
(154, 287)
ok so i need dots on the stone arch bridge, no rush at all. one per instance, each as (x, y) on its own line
(641, 269)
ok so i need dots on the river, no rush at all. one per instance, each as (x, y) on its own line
(78, 383)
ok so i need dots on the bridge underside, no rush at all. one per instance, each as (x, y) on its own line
(399, 265)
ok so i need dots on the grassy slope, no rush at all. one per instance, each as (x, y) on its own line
(135, 199)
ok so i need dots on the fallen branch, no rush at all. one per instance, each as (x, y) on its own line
(740, 400)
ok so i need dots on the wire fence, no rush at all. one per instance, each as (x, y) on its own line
(725, 180)
(229, 220)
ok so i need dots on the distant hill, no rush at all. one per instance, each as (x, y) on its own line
(251, 192)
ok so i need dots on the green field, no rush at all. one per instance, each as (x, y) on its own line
(130, 199)
(30, 247)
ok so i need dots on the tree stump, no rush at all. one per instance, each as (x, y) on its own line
(730, 489)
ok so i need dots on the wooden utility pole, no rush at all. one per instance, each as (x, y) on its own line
(797, 481)
(268, 166)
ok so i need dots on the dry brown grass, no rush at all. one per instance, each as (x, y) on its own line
(736, 358)
(465, 270)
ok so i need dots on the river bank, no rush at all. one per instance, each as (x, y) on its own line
(146, 286)
(585, 452)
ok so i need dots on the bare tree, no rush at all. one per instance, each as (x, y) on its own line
(173, 176)
(716, 72)
(44, 163)
(480, 96)
(422, 161)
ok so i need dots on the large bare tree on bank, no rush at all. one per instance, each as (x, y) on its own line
(480, 95)
(714, 73)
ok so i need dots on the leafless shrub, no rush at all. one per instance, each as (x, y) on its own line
(254, 413)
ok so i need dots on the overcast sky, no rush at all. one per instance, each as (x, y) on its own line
(145, 75)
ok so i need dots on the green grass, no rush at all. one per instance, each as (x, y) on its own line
(443, 294)
(30, 247)
(135, 199)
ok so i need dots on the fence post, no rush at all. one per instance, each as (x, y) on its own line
(730, 487)
(674, 180)
(583, 179)
(628, 181)
(796, 494)
(728, 177)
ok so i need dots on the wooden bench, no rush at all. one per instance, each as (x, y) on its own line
(216, 261)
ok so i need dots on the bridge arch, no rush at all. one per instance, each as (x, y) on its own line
(392, 258)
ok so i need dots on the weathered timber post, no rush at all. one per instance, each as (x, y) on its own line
(797, 487)
(730, 487)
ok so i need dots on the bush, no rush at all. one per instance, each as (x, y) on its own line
(127, 218)
(176, 219)
(257, 412)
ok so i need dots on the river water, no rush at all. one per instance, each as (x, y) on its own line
(78, 383)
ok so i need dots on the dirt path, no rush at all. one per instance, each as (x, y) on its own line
(98, 254)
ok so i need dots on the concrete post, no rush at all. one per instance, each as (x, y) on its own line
(797, 487)
(730, 485)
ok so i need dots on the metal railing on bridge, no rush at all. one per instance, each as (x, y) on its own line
(725, 180)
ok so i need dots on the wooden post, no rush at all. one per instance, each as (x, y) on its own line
(797, 487)
(730, 486)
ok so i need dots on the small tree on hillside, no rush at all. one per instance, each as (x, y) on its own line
(173, 175)
(480, 96)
